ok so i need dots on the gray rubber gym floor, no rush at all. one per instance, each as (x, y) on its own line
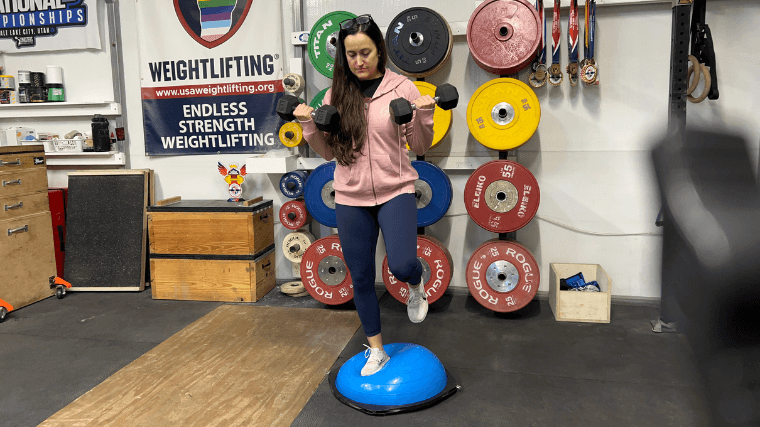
(519, 369)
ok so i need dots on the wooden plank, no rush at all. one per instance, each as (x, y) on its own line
(144, 247)
(239, 365)
(109, 172)
(168, 201)
(152, 189)
(253, 201)
(27, 259)
(30, 204)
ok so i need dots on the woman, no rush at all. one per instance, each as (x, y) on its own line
(374, 179)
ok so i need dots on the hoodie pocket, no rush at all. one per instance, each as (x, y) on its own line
(386, 174)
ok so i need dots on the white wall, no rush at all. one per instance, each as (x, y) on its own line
(87, 77)
(589, 155)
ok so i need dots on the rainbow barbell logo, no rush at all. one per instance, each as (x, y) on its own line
(211, 22)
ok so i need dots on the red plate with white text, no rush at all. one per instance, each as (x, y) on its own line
(502, 275)
(437, 266)
(502, 196)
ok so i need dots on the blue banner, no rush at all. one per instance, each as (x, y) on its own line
(219, 124)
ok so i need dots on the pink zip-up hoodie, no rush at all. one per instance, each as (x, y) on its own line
(383, 170)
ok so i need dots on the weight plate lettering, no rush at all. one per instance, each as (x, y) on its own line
(292, 183)
(504, 35)
(501, 196)
(292, 288)
(295, 245)
(293, 214)
(503, 114)
(419, 41)
(316, 102)
(433, 193)
(324, 272)
(437, 268)
(502, 275)
(441, 117)
(322, 40)
(320, 195)
(291, 134)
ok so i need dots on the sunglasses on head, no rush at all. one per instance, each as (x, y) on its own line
(352, 22)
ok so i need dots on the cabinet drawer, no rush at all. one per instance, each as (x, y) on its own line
(27, 259)
(23, 181)
(23, 205)
(18, 161)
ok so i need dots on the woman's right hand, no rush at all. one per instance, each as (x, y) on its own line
(303, 112)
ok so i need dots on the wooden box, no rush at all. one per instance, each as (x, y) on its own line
(575, 306)
(210, 227)
(208, 250)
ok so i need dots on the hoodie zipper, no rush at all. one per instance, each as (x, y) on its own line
(369, 149)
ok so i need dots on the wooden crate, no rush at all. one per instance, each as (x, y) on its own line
(208, 279)
(210, 227)
(211, 250)
(574, 306)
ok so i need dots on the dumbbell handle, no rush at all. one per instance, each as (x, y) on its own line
(436, 99)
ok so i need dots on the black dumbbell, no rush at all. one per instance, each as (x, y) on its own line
(325, 117)
(446, 96)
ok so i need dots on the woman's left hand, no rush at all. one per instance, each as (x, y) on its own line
(425, 102)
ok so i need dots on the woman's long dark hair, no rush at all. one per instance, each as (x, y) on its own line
(347, 96)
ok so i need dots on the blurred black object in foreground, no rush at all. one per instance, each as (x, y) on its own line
(711, 264)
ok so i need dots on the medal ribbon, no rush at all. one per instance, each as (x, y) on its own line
(541, 57)
(572, 32)
(588, 47)
(556, 34)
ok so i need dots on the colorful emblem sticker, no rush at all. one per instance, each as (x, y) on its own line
(234, 178)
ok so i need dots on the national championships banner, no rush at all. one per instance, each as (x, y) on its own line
(48, 25)
(211, 75)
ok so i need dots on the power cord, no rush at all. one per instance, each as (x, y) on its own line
(569, 227)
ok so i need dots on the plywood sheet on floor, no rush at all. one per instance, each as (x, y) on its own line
(239, 365)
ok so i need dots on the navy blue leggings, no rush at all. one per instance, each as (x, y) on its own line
(358, 230)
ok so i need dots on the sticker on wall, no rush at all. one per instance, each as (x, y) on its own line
(211, 22)
(234, 178)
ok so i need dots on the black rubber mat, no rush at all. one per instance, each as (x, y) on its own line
(528, 369)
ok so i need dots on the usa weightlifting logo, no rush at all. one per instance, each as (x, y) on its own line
(24, 20)
(211, 22)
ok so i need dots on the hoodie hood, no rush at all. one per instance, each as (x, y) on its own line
(390, 82)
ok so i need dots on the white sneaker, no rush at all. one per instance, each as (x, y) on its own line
(377, 359)
(416, 304)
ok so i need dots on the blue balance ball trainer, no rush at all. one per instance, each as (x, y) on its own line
(412, 379)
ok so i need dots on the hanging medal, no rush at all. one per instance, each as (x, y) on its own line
(588, 65)
(555, 71)
(538, 76)
(572, 43)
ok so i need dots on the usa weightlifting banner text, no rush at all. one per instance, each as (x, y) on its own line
(211, 119)
(213, 68)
